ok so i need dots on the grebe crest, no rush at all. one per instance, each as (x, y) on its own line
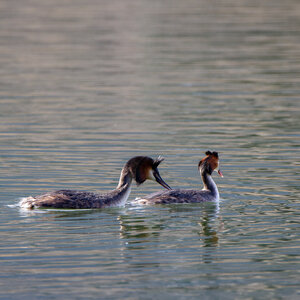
(209, 163)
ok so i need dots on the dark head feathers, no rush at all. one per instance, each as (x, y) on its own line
(215, 154)
(209, 163)
(140, 165)
(137, 165)
(157, 161)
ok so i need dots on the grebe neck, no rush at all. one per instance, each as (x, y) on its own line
(119, 196)
(209, 184)
(125, 179)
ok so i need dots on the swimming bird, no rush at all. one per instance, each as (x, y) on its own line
(209, 192)
(139, 168)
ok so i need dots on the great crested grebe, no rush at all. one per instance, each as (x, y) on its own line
(138, 168)
(209, 192)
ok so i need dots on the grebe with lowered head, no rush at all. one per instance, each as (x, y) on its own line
(209, 192)
(139, 168)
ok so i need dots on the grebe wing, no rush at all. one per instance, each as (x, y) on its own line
(66, 199)
(172, 196)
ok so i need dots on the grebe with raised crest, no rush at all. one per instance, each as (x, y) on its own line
(139, 168)
(209, 192)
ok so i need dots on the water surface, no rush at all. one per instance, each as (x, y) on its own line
(86, 86)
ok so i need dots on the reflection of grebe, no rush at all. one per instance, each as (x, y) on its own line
(209, 192)
(138, 168)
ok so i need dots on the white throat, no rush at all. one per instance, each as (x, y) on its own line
(125, 196)
(210, 185)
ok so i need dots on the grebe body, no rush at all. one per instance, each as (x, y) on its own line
(209, 192)
(139, 168)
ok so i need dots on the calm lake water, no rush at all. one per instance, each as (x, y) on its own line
(86, 85)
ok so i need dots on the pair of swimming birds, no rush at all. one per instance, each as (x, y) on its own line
(139, 169)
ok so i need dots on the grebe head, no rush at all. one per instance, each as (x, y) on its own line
(210, 163)
(144, 167)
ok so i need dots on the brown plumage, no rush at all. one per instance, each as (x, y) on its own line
(139, 168)
(209, 192)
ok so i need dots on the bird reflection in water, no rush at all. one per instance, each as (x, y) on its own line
(139, 230)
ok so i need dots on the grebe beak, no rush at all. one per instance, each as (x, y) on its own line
(220, 173)
(160, 180)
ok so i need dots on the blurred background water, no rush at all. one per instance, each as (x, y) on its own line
(86, 85)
